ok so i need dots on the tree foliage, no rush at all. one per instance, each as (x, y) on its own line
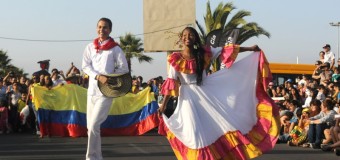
(221, 18)
(132, 48)
(6, 66)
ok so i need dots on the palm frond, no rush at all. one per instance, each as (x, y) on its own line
(209, 21)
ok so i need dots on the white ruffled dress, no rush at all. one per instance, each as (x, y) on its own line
(229, 116)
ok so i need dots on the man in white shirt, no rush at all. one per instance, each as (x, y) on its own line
(102, 57)
(329, 55)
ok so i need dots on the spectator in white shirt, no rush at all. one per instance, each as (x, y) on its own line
(308, 98)
(329, 55)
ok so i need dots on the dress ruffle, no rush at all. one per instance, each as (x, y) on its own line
(170, 87)
(233, 144)
(188, 66)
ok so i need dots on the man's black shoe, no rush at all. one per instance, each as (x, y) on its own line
(315, 146)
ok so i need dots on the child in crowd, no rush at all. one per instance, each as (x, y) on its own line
(299, 133)
(23, 110)
(285, 117)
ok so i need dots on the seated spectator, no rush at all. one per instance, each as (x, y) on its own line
(308, 98)
(278, 91)
(319, 123)
(315, 108)
(330, 89)
(285, 93)
(336, 75)
(325, 75)
(293, 106)
(303, 80)
(294, 94)
(335, 133)
(285, 118)
(336, 95)
(299, 133)
(321, 93)
(288, 84)
(302, 91)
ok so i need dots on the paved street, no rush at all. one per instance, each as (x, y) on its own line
(25, 146)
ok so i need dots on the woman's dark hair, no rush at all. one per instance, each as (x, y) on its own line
(198, 52)
(107, 21)
(316, 103)
(295, 103)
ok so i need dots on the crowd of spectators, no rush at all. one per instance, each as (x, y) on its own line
(17, 112)
(309, 106)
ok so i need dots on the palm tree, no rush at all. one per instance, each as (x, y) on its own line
(132, 47)
(4, 62)
(218, 20)
(6, 66)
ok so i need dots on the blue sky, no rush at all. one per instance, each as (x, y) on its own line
(298, 29)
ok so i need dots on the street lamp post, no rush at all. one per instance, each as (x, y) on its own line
(337, 24)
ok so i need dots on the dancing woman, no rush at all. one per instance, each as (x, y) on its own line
(226, 115)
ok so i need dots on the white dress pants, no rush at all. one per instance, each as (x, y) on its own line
(97, 112)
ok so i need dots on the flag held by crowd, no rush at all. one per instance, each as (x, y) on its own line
(62, 112)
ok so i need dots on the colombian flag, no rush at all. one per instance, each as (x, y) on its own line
(62, 112)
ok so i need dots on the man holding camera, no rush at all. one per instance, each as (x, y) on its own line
(56, 77)
(323, 73)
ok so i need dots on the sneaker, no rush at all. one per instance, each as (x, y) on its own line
(315, 146)
(326, 148)
(306, 145)
(38, 133)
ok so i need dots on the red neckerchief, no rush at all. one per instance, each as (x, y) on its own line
(107, 46)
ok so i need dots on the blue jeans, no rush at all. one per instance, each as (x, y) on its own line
(284, 138)
(315, 133)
